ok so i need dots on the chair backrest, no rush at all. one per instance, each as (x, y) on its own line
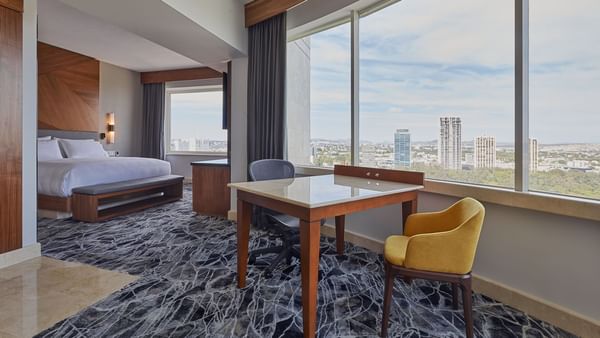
(455, 244)
(271, 169)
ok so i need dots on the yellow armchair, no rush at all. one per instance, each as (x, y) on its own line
(437, 246)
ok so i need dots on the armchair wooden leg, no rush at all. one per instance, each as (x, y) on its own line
(467, 305)
(454, 296)
(387, 298)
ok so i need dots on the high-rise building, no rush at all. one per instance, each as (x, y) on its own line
(449, 143)
(533, 154)
(402, 148)
(484, 149)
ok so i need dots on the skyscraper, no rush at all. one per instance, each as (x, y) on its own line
(402, 148)
(449, 143)
(484, 149)
(533, 154)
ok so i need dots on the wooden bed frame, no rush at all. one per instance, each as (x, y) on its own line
(54, 203)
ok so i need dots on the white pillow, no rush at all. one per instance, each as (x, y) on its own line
(82, 149)
(45, 138)
(49, 151)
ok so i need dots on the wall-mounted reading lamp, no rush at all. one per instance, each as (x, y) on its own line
(110, 128)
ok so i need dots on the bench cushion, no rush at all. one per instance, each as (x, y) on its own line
(101, 189)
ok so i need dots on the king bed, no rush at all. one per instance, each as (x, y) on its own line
(78, 170)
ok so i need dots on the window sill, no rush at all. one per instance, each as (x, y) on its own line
(554, 204)
(196, 153)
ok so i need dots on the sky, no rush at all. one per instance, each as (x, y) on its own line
(423, 59)
(197, 115)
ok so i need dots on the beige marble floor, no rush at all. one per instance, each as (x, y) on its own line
(36, 294)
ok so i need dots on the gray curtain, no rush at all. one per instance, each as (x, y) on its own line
(153, 121)
(266, 89)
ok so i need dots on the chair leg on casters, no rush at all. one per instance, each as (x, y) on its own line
(282, 255)
(387, 299)
(454, 296)
(259, 252)
(467, 305)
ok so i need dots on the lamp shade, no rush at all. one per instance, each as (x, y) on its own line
(110, 128)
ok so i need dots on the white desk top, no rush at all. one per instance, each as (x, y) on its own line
(318, 191)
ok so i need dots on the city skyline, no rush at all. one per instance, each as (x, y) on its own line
(197, 115)
(410, 80)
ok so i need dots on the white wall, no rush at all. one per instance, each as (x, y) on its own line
(121, 93)
(223, 18)
(555, 258)
(180, 164)
(30, 123)
(239, 118)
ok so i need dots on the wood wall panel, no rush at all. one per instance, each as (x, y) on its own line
(261, 10)
(180, 75)
(11, 78)
(16, 5)
(68, 90)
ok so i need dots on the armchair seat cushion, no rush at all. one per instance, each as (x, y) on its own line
(395, 249)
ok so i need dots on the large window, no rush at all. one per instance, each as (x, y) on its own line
(565, 97)
(195, 120)
(436, 89)
(318, 98)
(448, 88)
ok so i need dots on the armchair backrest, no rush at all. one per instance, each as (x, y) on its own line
(453, 249)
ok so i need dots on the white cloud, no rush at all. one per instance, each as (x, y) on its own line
(421, 59)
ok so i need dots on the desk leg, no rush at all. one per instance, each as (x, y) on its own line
(309, 264)
(340, 223)
(408, 208)
(243, 235)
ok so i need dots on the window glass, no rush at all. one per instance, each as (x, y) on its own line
(196, 121)
(318, 98)
(564, 97)
(437, 89)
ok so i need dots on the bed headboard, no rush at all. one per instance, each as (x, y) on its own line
(75, 135)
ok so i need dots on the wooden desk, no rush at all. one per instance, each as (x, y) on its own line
(210, 193)
(350, 189)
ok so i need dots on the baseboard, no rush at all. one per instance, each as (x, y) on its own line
(354, 238)
(232, 215)
(187, 180)
(537, 307)
(20, 255)
(552, 313)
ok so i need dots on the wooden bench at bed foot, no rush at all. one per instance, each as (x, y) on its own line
(101, 202)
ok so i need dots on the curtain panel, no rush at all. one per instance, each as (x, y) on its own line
(153, 121)
(266, 89)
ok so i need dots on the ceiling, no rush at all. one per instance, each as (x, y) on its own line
(151, 35)
(66, 27)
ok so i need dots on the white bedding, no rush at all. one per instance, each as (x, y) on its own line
(58, 178)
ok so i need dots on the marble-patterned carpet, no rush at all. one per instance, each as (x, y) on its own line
(187, 265)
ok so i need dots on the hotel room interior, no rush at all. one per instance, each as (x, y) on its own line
(289, 168)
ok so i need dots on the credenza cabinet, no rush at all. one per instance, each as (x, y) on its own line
(210, 193)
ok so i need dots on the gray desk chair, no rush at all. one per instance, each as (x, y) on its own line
(287, 227)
